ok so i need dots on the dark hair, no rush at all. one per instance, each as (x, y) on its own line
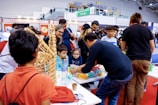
(111, 28)
(116, 27)
(90, 36)
(135, 18)
(85, 26)
(13, 25)
(35, 30)
(61, 48)
(95, 22)
(144, 23)
(22, 46)
(62, 21)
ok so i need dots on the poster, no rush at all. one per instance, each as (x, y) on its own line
(44, 29)
(7, 27)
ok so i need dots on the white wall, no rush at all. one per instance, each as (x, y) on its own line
(13, 8)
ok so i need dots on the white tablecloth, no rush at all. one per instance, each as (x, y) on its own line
(85, 96)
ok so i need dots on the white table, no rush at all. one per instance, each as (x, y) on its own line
(87, 97)
(154, 72)
(82, 81)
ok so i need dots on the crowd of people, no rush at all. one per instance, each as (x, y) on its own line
(126, 59)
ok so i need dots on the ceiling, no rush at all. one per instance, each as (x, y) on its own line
(149, 4)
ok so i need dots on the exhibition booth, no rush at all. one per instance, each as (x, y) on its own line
(75, 21)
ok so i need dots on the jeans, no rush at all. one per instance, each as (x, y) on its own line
(135, 87)
(111, 89)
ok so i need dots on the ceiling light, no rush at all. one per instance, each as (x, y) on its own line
(19, 17)
(150, 4)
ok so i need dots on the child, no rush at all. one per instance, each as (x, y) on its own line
(111, 33)
(62, 63)
(62, 58)
(76, 58)
(23, 47)
(119, 41)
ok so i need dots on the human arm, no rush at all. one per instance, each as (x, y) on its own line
(94, 52)
(46, 102)
(152, 45)
(72, 36)
(77, 69)
(123, 46)
(48, 90)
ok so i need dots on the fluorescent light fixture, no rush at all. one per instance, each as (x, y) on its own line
(34, 18)
(18, 16)
(150, 4)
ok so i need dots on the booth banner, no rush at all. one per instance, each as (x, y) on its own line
(44, 29)
(7, 27)
(83, 12)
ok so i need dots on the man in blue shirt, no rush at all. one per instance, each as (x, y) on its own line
(117, 65)
(67, 35)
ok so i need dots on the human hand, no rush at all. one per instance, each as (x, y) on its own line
(73, 71)
(77, 69)
(72, 37)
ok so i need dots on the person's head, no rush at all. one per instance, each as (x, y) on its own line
(90, 39)
(12, 31)
(116, 28)
(119, 41)
(111, 31)
(144, 23)
(23, 47)
(63, 23)
(94, 25)
(85, 29)
(62, 51)
(35, 30)
(14, 25)
(59, 30)
(135, 18)
(76, 53)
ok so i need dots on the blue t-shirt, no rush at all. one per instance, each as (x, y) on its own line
(61, 63)
(75, 61)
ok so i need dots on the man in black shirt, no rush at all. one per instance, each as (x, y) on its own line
(117, 65)
(138, 44)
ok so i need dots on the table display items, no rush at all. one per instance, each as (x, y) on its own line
(96, 71)
(64, 77)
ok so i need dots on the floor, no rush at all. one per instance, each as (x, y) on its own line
(149, 97)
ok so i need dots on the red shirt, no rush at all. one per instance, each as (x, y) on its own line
(39, 88)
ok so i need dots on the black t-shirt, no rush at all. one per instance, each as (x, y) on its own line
(84, 50)
(137, 39)
(111, 57)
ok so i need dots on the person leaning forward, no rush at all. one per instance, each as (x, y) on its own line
(117, 65)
